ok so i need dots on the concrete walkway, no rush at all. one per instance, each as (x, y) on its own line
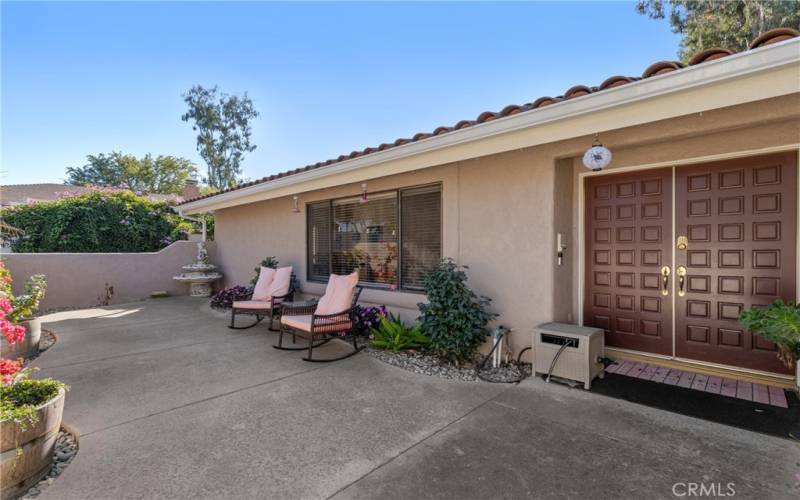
(169, 403)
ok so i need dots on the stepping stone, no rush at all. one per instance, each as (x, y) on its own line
(728, 388)
(699, 382)
(760, 394)
(660, 375)
(777, 397)
(714, 385)
(648, 372)
(744, 390)
(674, 377)
(686, 379)
(625, 368)
(637, 370)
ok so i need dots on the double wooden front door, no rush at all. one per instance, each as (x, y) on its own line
(674, 254)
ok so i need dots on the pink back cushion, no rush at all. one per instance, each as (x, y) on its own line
(338, 294)
(265, 277)
(281, 282)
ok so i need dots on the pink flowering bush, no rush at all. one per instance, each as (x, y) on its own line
(16, 309)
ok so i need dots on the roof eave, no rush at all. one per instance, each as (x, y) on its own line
(724, 69)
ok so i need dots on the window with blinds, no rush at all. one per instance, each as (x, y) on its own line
(392, 240)
(319, 241)
(421, 234)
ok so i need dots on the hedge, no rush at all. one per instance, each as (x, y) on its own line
(102, 220)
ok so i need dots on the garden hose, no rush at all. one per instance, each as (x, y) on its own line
(500, 332)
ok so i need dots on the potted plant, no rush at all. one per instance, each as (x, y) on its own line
(21, 310)
(779, 323)
(30, 409)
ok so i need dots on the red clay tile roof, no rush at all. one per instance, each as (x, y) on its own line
(659, 68)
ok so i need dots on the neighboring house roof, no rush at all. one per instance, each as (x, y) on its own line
(15, 194)
(658, 68)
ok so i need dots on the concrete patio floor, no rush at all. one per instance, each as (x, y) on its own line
(169, 403)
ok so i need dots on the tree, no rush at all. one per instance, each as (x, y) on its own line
(732, 24)
(222, 123)
(163, 174)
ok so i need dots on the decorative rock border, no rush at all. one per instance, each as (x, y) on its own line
(66, 449)
(429, 365)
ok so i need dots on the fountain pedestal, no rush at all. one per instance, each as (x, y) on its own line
(199, 275)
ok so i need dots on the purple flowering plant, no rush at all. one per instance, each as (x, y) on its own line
(367, 318)
(225, 298)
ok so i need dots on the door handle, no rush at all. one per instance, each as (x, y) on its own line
(665, 280)
(681, 273)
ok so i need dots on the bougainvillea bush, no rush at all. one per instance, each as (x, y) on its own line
(101, 220)
(20, 395)
(225, 298)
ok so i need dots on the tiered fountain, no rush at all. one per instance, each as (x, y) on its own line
(199, 275)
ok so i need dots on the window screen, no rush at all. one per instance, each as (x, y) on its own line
(421, 234)
(365, 238)
(347, 235)
(319, 241)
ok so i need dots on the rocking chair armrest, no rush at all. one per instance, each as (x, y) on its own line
(282, 300)
(346, 315)
(299, 308)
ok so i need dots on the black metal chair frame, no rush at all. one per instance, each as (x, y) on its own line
(273, 312)
(334, 325)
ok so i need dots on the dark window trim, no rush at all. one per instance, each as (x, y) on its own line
(366, 284)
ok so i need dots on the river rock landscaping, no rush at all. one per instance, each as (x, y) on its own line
(66, 449)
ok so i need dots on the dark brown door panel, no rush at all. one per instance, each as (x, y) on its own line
(740, 220)
(628, 233)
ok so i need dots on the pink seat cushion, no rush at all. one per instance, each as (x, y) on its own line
(252, 304)
(324, 325)
(265, 277)
(281, 283)
(338, 294)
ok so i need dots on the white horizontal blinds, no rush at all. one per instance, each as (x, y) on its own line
(365, 237)
(422, 234)
(319, 241)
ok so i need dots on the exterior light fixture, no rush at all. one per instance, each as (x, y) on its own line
(597, 157)
(364, 198)
(295, 204)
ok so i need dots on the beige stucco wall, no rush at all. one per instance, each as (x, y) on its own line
(501, 211)
(79, 279)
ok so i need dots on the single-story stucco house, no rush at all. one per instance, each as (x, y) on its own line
(695, 218)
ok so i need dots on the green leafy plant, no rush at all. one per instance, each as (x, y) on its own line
(26, 305)
(392, 334)
(271, 262)
(454, 318)
(18, 402)
(101, 220)
(779, 323)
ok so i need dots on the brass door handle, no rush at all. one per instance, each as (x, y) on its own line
(665, 280)
(681, 273)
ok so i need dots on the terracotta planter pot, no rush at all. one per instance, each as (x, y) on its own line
(28, 347)
(27, 454)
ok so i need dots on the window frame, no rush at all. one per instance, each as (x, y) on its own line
(368, 284)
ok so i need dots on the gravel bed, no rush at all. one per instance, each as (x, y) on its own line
(66, 449)
(422, 363)
(429, 365)
(47, 340)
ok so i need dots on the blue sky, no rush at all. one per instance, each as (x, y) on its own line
(87, 78)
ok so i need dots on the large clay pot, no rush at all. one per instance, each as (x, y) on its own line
(28, 347)
(27, 454)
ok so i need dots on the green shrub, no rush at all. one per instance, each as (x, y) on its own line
(454, 318)
(780, 324)
(26, 306)
(18, 402)
(392, 334)
(102, 220)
